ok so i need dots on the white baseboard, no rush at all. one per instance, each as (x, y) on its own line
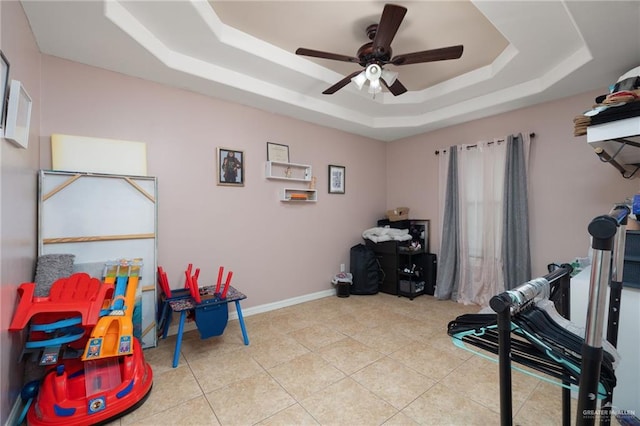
(173, 329)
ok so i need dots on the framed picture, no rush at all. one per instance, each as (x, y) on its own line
(18, 115)
(230, 167)
(336, 179)
(4, 86)
(277, 152)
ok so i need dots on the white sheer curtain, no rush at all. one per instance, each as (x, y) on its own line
(477, 255)
(481, 183)
(481, 171)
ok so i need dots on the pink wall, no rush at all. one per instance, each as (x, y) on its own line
(276, 250)
(18, 177)
(568, 184)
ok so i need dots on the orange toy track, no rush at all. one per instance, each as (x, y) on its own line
(113, 333)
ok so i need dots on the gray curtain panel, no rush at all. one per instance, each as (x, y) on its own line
(516, 254)
(448, 268)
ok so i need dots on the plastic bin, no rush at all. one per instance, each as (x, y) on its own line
(343, 282)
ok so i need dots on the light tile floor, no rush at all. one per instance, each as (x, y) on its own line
(359, 360)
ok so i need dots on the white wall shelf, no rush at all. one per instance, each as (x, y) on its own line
(295, 195)
(288, 171)
(618, 143)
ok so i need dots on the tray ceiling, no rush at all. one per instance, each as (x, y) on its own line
(517, 53)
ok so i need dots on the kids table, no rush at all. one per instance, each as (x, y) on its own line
(211, 315)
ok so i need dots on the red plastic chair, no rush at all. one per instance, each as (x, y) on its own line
(78, 293)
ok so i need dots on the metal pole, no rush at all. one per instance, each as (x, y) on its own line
(565, 286)
(503, 304)
(602, 230)
(617, 279)
(615, 294)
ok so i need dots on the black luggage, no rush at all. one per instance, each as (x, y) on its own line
(366, 271)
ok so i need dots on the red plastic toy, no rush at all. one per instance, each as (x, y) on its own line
(75, 392)
(63, 398)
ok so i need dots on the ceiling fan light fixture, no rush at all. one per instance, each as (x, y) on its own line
(373, 72)
(374, 86)
(359, 80)
(389, 76)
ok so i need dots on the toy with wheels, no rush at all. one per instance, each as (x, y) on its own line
(102, 385)
(80, 392)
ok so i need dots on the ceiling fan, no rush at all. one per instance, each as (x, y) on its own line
(377, 53)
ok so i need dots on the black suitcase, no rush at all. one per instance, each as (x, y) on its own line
(366, 271)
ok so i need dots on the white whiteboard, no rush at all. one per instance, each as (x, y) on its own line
(100, 218)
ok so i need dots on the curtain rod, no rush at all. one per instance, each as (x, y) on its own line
(531, 135)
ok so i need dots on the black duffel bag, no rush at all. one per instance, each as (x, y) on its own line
(366, 271)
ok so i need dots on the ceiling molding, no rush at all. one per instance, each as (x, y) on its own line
(547, 49)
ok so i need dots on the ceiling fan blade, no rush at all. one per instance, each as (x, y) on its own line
(396, 88)
(392, 16)
(451, 52)
(325, 55)
(339, 85)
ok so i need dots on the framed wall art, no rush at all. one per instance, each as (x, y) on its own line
(336, 179)
(18, 115)
(4, 86)
(230, 167)
(277, 152)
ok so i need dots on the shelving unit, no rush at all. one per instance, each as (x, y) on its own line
(295, 195)
(396, 257)
(275, 170)
(411, 280)
(288, 171)
(617, 143)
